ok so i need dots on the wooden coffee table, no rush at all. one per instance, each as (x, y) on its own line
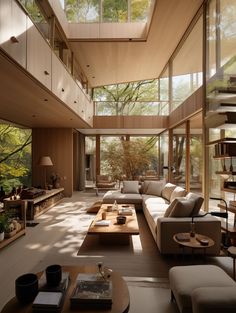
(115, 233)
(120, 294)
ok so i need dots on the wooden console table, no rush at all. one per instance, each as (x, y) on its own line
(40, 204)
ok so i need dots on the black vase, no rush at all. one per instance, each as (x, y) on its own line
(26, 288)
(53, 275)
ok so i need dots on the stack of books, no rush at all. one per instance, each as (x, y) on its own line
(91, 292)
(103, 223)
(51, 299)
(125, 211)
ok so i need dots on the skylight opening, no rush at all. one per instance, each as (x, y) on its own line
(107, 11)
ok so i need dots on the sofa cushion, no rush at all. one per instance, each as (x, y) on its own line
(182, 207)
(167, 191)
(177, 192)
(130, 186)
(111, 196)
(198, 202)
(144, 186)
(155, 188)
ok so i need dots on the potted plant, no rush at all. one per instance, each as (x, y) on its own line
(3, 225)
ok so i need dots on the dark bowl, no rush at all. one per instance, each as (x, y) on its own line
(121, 219)
(26, 288)
(53, 275)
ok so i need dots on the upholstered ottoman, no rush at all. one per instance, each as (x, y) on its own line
(214, 300)
(185, 279)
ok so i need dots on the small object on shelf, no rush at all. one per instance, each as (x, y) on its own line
(184, 237)
(192, 229)
(203, 241)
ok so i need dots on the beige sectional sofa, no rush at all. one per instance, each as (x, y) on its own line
(168, 210)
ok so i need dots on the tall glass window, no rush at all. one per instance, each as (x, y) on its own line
(15, 157)
(227, 30)
(211, 38)
(187, 66)
(179, 155)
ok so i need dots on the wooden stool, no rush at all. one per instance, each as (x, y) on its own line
(232, 253)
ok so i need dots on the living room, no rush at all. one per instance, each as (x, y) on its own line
(68, 94)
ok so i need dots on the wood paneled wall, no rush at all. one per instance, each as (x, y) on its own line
(190, 106)
(130, 122)
(58, 144)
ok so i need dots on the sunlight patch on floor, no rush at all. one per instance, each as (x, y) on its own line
(136, 242)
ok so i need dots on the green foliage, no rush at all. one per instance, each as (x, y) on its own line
(82, 11)
(115, 10)
(15, 155)
(3, 222)
(130, 157)
(122, 99)
(139, 10)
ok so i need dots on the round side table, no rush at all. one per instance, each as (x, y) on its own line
(193, 242)
(232, 252)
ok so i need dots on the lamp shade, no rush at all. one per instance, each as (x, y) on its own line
(45, 161)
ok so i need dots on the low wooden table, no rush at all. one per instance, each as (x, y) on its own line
(193, 242)
(120, 294)
(115, 233)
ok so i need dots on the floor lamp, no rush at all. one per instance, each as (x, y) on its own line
(45, 161)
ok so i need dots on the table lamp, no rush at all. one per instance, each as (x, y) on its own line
(45, 161)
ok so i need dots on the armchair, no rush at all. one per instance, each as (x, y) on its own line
(104, 181)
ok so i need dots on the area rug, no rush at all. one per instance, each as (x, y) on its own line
(140, 258)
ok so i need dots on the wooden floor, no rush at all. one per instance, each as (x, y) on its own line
(61, 237)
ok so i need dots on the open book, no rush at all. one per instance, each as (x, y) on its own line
(102, 223)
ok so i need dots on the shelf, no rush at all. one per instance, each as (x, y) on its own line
(231, 209)
(229, 190)
(6, 241)
(222, 140)
(225, 173)
(223, 156)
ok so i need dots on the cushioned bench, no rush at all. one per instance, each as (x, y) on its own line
(198, 289)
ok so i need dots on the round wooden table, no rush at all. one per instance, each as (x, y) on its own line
(194, 242)
(120, 294)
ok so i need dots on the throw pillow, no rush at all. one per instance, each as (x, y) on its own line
(177, 192)
(182, 208)
(145, 186)
(130, 186)
(170, 208)
(167, 191)
(95, 207)
(198, 202)
(155, 188)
